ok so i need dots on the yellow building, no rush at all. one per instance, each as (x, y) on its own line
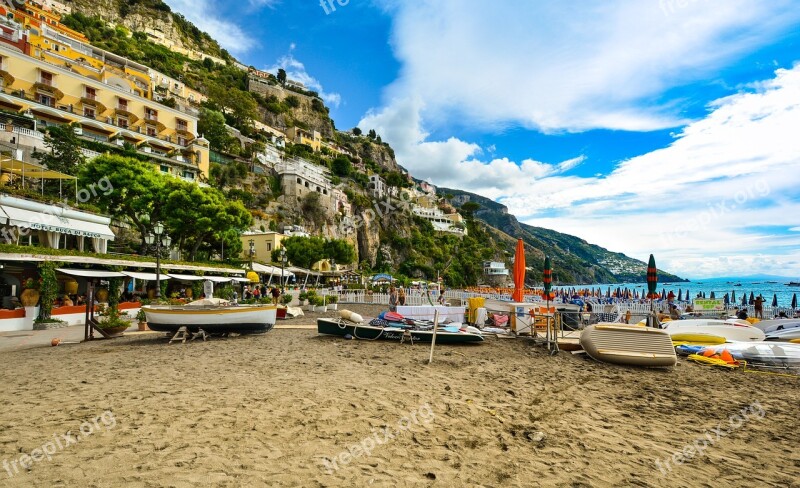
(107, 110)
(295, 135)
(263, 245)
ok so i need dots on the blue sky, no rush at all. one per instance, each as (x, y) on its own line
(644, 126)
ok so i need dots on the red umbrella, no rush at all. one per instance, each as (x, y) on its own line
(652, 278)
(519, 273)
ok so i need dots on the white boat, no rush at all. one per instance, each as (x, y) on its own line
(731, 330)
(773, 325)
(214, 317)
(784, 334)
(629, 345)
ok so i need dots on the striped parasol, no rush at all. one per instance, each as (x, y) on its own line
(519, 273)
(547, 278)
(652, 278)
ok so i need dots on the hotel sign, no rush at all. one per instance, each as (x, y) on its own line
(707, 304)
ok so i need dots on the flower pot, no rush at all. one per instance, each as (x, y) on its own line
(101, 295)
(71, 287)
(115, 331)
(29, 297)
(333, 306)
(143, 326)
(320, 309)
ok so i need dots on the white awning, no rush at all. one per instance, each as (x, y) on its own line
(221, 279)
(90, 273)
(270, 270)
(303, 271)
(145, 276)
(184, 277)
(242, 280)
(30, 219)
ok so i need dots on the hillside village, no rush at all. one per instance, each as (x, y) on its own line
(307, 178)
(252, 156)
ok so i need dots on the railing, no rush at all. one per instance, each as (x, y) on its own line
(151, 117)
(89, 153)
(47, 82)
(23, 131)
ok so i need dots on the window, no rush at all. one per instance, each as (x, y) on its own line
(298, 180)
(182, 125)
(182, 141)
(151, 131)
(123, 104)
(164, 168)
(269, 246)
(45, 100)
(122, 122)
(307, 185)
(150, 114)
(88, 112)
(46, 78)
(91, 93)
(188, 175)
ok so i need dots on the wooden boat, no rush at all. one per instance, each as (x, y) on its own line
(444, 334)
(731, 330)
(213, 318)
(629, 345)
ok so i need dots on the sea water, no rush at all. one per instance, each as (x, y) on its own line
(720, 286)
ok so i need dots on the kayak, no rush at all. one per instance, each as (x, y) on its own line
(765, 353)
(730, 330)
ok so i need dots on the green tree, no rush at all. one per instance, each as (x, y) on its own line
(371, 134)
(282, 76)
(312, 208)
(136, 187)
(340, 250)
(292, 101)
(357, 131)
(302, 251)
(469, 209)
(238, 106)
(64, 150)
(212, 125)
(317, 105)
(341, 166)
(396, 179)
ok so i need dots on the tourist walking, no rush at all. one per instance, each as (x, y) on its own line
(392, 299)
(275, 294)
(401, 297)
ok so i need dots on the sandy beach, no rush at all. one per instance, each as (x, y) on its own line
(292, 408)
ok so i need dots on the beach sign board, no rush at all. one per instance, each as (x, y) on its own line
(708, 304)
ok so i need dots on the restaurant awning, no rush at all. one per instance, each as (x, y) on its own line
(145, 276)
(270, 270)
(31, 170)
(90, 273)
(303, 271)
(184, 277)
(223, 279)
(30, 219)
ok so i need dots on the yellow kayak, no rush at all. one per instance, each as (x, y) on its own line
(697, 339)
(795, 341)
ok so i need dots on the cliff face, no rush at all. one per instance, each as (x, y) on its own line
(153, 17)
(304, 115)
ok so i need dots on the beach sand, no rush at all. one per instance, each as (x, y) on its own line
(288, 408)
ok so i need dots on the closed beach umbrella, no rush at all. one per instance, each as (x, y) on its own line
(547, 279)
(752, 298)
(775, 300)
(712, 295)
(652, 278)
(744, 299)
(688, 297)
(794, 300)
(727, 299)
(519, 272)
(680, 295)
(733, 296)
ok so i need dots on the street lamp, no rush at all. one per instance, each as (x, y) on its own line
(160, 239)
(252, 252)
(283, 265)
(333, 269)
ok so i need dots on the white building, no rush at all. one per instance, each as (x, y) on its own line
(441, 221)
(377, 187)
(493, 268)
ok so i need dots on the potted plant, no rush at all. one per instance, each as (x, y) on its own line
(111, 321)
(302, 297)
(141, 317)
(332, 302)
(319, 304)
(30, 296)
(286, 299)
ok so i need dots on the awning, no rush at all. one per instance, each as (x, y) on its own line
(30, 219)
(184, 277)
(270, 270)
(303, 271)
(242, 280)
(222, 279)
(90, 273)
(31, 170)
(145, 276)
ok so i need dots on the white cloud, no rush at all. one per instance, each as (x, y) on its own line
(547, 66)
(203, 14)
(701, 204)
(296, 70)
(264, 3)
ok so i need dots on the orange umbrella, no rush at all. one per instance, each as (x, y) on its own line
(519, 272)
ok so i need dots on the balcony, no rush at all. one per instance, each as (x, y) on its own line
(151, 117)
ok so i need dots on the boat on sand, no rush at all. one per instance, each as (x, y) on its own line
(415, 330)
(629, 345)
(214, 316)
(731, 330)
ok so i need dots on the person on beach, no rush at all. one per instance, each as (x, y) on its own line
(742, 314)
(758, 307)
(674, 313)
(401, 297)
(440, 300)
(393, 298)
(275, 294)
